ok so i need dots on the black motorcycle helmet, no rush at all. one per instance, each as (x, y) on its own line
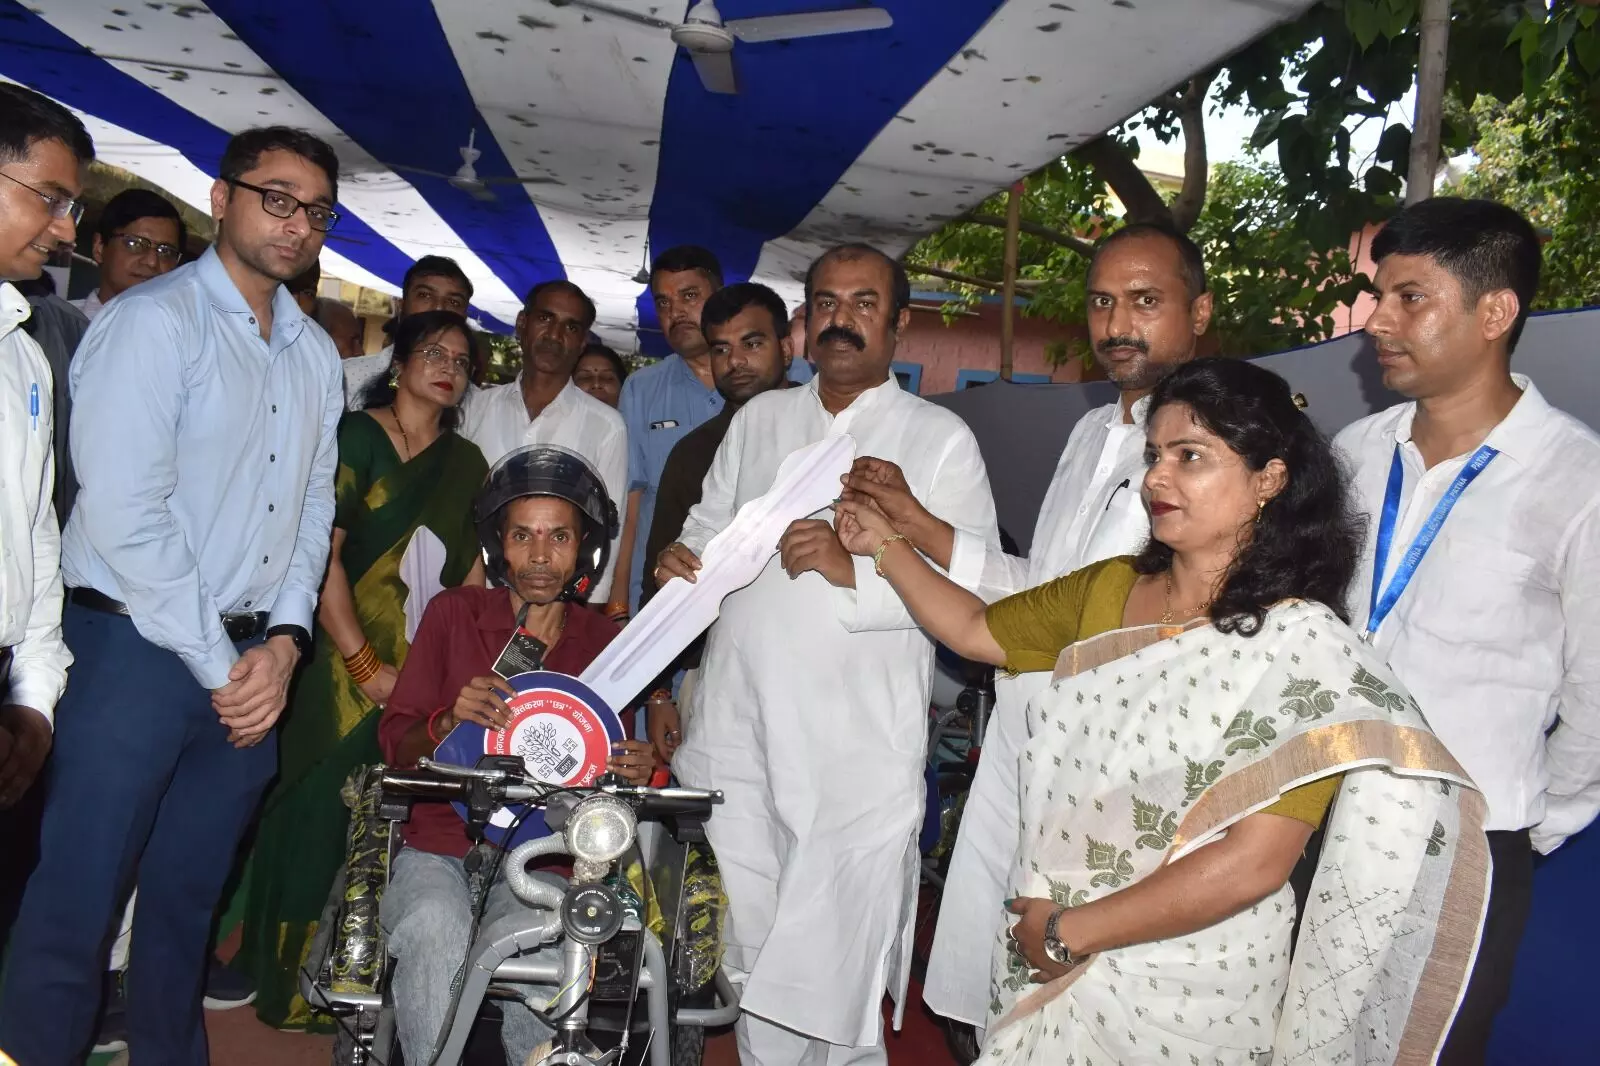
(548, 470)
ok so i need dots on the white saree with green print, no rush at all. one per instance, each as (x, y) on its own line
(1150, 743)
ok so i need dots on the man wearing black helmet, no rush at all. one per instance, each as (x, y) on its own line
(546, 525)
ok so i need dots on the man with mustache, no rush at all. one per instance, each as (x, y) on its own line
(662, 402)
(205, 405)
(543, 405)
(1490, 619)
(1147, 309)
(812, 707)
(750, 354)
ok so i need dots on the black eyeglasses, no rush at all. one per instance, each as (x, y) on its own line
(60, 206)
(137, 245)
(282, 205)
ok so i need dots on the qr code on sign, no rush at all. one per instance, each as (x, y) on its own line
(566, 765)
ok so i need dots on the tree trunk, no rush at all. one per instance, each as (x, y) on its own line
(1121, 172)
(1008, 291)
(1425, 127)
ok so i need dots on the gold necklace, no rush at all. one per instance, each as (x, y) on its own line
(1166, 617)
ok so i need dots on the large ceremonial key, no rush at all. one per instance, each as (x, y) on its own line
(807, 482)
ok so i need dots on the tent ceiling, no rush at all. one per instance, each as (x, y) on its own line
(878, 136)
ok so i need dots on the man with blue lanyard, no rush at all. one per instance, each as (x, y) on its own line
(205, 405)
(1483, 543)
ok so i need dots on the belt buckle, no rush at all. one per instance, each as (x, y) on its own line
(240, 626)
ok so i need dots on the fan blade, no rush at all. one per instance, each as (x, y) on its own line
(481, 193)
(420, 170)
(809, 24)
(520, 181)
(616, 12)
(716, 71)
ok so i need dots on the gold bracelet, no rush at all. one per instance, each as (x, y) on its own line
(877, 556)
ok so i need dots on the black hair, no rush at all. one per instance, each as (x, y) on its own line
(1484, 245)
(1306, 540)
(687, 257)
(130, 205)
(1191, 261)
(901, 294)
(410, 332)
(436, 266)
(610, 355)
(722, 305)
(27, 117)
(243, 153)
(563, 285)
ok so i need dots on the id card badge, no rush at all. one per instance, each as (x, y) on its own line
(523, 653)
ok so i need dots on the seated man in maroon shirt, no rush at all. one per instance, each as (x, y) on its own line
(546, 525)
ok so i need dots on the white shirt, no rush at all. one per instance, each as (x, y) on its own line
(90, 305)
(812, 714)
(361, 371)
(1092, 511)
(1498, 633)
(497, 422)
(30, 543)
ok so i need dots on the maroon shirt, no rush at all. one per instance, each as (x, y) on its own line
(463, 632)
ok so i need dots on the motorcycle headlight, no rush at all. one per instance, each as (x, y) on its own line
(599, 829)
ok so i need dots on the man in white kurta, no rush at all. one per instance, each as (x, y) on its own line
(1147, 308)
(813, 700)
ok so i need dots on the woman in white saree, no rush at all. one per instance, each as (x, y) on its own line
(1207, 704)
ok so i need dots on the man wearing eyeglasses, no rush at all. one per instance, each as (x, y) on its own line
(140, 236)
(43, 149)
(205, 406)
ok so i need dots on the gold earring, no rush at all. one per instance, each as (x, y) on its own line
(1260, 506)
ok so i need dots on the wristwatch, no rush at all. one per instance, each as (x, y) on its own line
(298, 634)
(1059, 953)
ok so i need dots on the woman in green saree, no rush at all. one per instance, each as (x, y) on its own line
(402, 531)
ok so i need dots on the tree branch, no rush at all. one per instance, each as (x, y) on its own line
(1196, 169)
(1118, 169)
(968, 279)
(1035, 229)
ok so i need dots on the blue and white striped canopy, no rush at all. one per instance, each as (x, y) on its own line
(877, 136)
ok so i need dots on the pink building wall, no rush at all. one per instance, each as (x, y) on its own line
(973, 343)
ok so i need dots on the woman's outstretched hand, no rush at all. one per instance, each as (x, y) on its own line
(861, 527)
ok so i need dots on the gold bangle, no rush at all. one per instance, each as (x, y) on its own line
(877, 556)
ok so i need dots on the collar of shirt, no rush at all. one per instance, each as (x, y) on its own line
(14, 309)
(1517, 435)
(1140, 410)
(840, 423)
(287, 318)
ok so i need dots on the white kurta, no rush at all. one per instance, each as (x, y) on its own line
(1092, 511)
(812, 716)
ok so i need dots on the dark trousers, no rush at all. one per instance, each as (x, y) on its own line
(1510, 898)
(145, 789)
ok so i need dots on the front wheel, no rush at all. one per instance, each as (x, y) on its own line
(688, 1045)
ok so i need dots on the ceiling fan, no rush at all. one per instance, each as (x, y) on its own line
(466, 178)
(709, 40)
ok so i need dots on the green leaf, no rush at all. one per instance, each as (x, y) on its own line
(1588, 48)
(1394, 145)
(1266, 130)
(1361, 16)
(1381, 182)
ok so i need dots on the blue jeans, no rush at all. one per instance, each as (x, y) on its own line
(427, 914)
(144, 789)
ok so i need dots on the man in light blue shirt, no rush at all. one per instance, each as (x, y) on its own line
(205, 406)
(664, 401)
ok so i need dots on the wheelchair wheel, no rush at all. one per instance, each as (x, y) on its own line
(688, 1045)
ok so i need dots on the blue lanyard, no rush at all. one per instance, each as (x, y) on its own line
(1407, 568)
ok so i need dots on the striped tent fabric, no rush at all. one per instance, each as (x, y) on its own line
(879, 136)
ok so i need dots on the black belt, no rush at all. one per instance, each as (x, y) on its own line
(241, 625)
(5, 670)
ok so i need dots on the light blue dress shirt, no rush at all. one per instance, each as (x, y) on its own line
(660, 404)
(206, 458)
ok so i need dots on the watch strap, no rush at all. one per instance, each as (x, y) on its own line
(298, 634)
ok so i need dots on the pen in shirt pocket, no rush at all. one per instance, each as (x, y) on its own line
(33, 403)
(1125, 483)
